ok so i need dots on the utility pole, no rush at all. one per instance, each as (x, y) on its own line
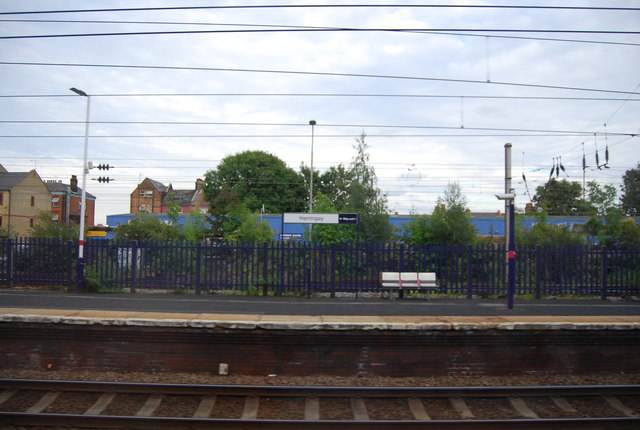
(509, 196)
(509, 226)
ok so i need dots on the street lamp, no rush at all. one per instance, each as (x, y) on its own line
(83, 201)
(312, 123)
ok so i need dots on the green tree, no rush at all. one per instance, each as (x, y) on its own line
(602, 199)
(561, 198)
(543, 233)
(6, 232)
(451, 218)
(252, 229)
(450, 221)
(46, 227)
(630, 199)
(260, 180)
(418, 230)
(606, 221)
(144, 227)
(224, 211)
(334, 183)
(196, 226)
(629, 232)
(330, 233)
(366, 199)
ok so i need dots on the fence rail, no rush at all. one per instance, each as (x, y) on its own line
(304, 268)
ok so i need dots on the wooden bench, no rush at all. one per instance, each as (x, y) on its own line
(400, 281)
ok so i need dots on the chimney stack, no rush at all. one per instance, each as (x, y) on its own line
(74, 183)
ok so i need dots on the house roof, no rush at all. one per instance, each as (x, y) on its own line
(9, 179)
(61, 188)
(157, 185)
(181, 197)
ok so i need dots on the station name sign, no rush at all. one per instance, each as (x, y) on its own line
(306, 218)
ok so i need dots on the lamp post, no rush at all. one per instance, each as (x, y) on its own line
(83, 201)
(312, 123)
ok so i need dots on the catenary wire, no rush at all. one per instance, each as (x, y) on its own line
(326, 6)
(309, 73)
(445, 96)
(321, 30)
(444, 33)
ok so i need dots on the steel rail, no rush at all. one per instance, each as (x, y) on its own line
(161, 423)
(319, 391)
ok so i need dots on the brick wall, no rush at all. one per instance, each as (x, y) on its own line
(299, 352)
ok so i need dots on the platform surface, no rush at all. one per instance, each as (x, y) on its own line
(313, 313)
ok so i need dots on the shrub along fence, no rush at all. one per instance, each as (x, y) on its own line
(303, 268)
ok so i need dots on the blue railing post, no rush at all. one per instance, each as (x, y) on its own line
(198, 267)
(70, 248)
(538, 271)
(603, 291)
(9, 262)
(266, 279)
(333, 270)
(134, 261)
(281, 268)
(469, 271)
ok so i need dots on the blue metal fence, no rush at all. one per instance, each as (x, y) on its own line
(304, 268)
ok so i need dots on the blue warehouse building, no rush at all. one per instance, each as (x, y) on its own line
(485, 224)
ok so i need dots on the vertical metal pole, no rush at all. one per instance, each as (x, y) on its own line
(511, 289)
(9, 262)
(507, 190)
(509, 227)
(83, 201)
(312, 123)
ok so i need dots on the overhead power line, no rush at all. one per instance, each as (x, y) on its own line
(308, 73)
(361, 126)
(327, 6)
(443, 96)
(320, 30)
(282, 26)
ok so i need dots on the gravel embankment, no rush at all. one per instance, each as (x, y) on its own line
(326, 380)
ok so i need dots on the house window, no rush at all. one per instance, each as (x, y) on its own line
(33, 201)
(146, 193)
(55, 202)
(0, 221)
(31, 222)
(1, 198)
(54, 217)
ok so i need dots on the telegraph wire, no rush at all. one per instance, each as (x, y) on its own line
(444, 96)
(327, 6)
(367, 126)
(308, 73)
(283, 27)
(320, 30)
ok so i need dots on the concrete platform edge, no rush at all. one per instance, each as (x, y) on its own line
(311, 322)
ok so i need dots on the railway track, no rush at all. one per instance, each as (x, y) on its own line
(104, 405)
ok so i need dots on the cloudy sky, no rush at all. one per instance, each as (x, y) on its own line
(438, 91)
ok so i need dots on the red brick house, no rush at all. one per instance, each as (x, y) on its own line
(151, 196)
(66, 200)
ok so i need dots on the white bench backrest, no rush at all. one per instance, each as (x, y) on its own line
(408, 279)
(428, 277)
